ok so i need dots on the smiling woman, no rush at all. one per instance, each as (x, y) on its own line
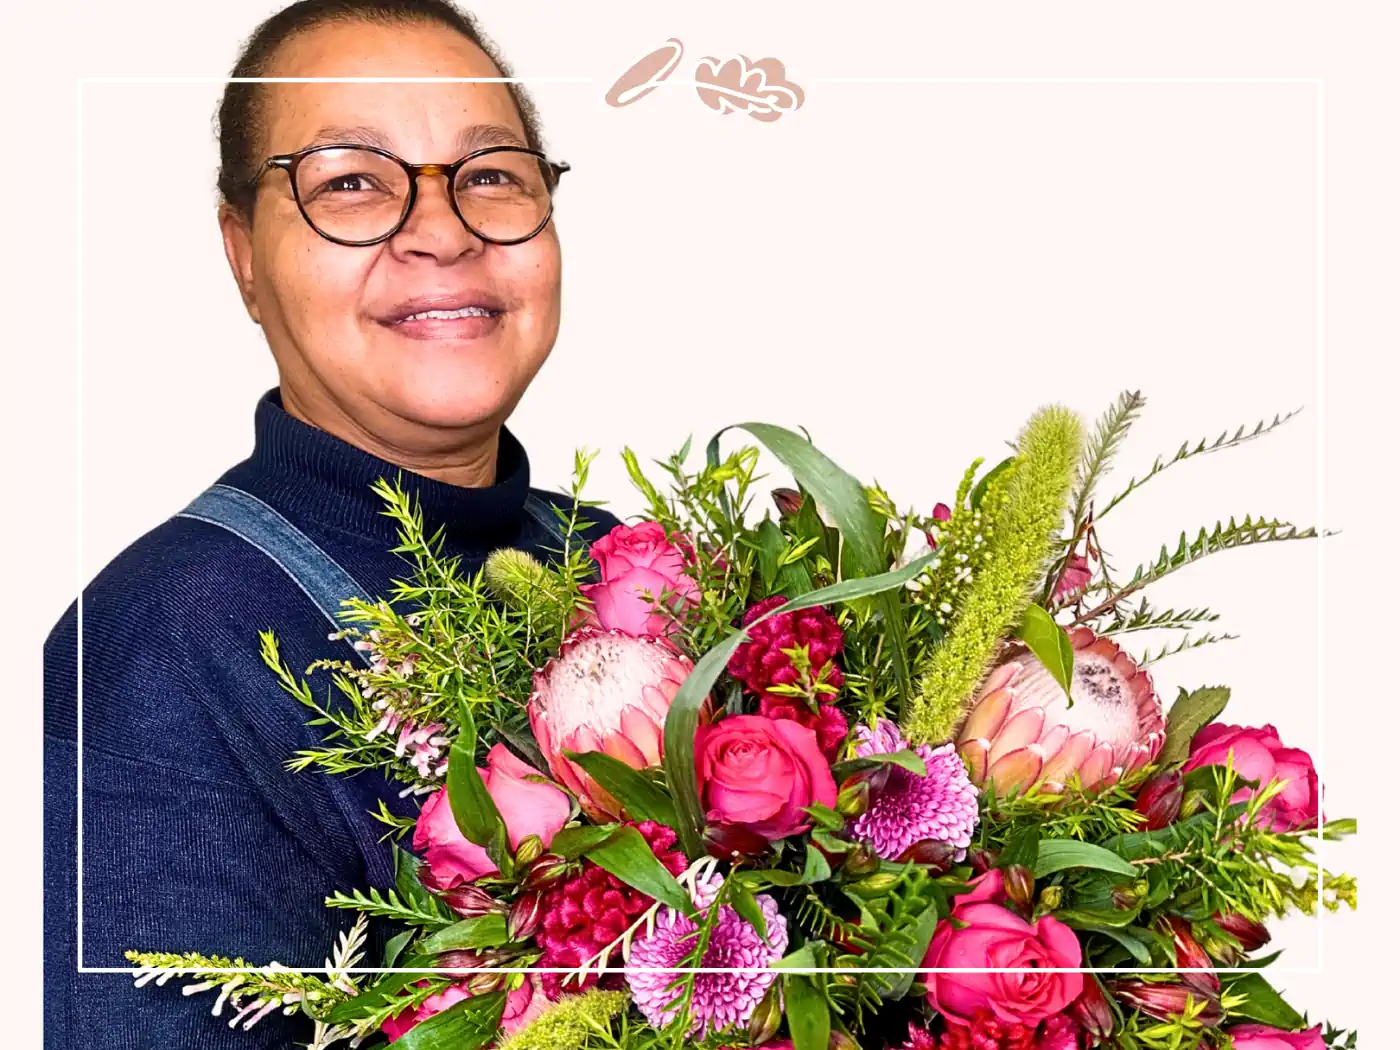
(395, 244)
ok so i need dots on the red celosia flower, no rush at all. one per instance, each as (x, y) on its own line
(760, 664)
(988, 1033)
(584, 914)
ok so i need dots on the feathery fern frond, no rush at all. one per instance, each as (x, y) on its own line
(1145, 618)
(1186, 643)
(1185, 453)
(1109, 433)
(389, 905)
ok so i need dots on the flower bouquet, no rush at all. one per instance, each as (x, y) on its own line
(842, 777)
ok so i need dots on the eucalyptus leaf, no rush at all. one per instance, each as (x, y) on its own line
(1051, 645)
(1058, 854)
(1189, 715)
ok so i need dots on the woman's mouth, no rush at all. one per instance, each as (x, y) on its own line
(469, 322)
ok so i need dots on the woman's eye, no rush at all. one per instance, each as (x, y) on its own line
(348, 184)
(489, 177)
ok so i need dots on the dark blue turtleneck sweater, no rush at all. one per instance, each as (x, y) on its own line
(195, 836)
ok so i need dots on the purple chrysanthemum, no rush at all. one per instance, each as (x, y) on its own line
(720, 999)
(909, 808)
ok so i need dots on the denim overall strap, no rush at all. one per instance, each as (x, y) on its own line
(311, 568)
(543, 512)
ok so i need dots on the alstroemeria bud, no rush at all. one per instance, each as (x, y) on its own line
(1092, 1012)
(789, 501)
(1019, 883)
(1191, 804)
(880, 882)
(941, 512)
(839, 1040)
(544, 872)
(1167, 1001)
(485, 983)
(1251, 935)
(931, 853)
(1050, 898)
(1159, 800)
(1191, 956)
(982, 860)
(470, 901)
(525, 916)
(733, 842)
(766, 1017)
(531, 848)
(854, 799)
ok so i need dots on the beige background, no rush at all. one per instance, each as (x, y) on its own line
(906, 269)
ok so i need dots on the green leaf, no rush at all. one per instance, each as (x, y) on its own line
(684, 715)
(809, 1022)
(406, 880)
(466, 1025)
(642, 799)
(905, 759)
(395, 946)
(862, 530)
(746, 904)
(980, 489)
(1022, 848)
(1051, 645)
(572, 843)
(480, 931)
(472, 805)
(1261, 1002)
(1059, 854)
(1130, 943)
(815, 868)
(801, 959)
(379, 993)
(922, 934)
(627, 855)
(1190, 713)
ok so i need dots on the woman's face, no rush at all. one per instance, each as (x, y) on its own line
(328, 310)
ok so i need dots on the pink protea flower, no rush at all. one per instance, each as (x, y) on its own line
(1021, 732)
(907, 808)
(605, 691)
(720, 999)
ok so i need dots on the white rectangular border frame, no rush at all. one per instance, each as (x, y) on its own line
(1318, 83)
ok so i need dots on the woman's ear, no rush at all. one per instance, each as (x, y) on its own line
(238, 249)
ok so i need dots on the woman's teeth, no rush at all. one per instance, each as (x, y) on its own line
(448, 315)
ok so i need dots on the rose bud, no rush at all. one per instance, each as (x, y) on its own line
(524, 918)
(1020, 884)
(941, 512)
(1092, 1012)
(789, 501)
(854, 800)
(544, 872)
(531, 848)
(1160, 799)
(982, 860)
(767, 1017)
(1251, 935)
(470, 901)
(1167, 1001)
(733, 842)
(931, 854)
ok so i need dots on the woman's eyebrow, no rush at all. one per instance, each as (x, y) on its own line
(475, 136)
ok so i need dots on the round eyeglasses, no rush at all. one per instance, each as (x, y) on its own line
(361, 195)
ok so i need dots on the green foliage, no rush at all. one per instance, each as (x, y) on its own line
(388, 904)
(1031, 507)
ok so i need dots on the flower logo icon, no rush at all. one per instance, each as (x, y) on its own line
(739, 84)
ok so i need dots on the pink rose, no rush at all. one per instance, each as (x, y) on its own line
(760, 773)
(1261, 757)
(523, 1005)
(637, 565)
(1262, 1037)
(527, 807)
(994, 936)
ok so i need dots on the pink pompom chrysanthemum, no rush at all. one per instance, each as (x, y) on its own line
(720, 999)
(907, 808)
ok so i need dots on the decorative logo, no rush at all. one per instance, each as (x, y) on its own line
(733, 85)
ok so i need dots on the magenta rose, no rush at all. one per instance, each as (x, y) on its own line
(637, 566)
(1260, 756)
(523, 1005)
(527, 807)
(759, 773)
(995, 936)
(1262, 1037)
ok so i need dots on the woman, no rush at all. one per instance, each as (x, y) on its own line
(407, 315)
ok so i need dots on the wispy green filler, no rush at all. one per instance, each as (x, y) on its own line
(1030, 509)
(569, 1023)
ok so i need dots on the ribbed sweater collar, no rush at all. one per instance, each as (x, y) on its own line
(312, 476)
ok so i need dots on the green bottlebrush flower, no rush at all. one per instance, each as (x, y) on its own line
(1028, 502)
(519, 580)
(569, 1022)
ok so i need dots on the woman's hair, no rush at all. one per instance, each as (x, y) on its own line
(242, 118)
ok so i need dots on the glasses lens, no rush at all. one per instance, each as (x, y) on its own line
(504, 195)
(352, 194)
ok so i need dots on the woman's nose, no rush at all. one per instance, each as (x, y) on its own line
(433, 225)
